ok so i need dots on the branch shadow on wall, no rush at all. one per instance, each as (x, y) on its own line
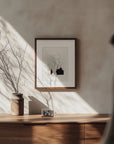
(28, 79)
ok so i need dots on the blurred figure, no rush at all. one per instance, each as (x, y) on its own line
(108, 137)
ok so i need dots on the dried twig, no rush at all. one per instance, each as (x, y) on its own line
(6, 67)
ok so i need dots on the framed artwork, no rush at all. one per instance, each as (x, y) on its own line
(55, 63)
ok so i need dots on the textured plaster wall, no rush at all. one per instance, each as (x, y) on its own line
(91, 21)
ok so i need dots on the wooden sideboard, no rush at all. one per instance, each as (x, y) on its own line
(62, 129)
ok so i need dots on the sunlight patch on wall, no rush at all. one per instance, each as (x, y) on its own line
(71, 102)
(61, 102)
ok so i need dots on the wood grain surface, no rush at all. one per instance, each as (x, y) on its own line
(61, 129)
(94, 130)
(60, 118)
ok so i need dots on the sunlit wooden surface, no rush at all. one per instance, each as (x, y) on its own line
(60, 118)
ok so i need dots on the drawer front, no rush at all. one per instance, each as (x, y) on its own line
(42, 134)
(73, 131)
(15, 130)
(94, 131)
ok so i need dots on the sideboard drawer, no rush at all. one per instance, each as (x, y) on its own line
(42, 133)
(94, 131)
(58, 134)
(59, 130)
(15, 130)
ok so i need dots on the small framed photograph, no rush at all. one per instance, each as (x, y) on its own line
(47, 113)
(55, 63)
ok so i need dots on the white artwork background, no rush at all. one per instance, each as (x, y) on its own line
(55, 58)
(52, 54)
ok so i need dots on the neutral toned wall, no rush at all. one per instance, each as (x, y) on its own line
(91, 21)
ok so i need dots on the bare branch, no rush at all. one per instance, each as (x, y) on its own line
(20, 69)
(6, 71)
(13, 51)
(6, 65)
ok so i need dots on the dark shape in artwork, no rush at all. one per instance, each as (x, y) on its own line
(60, 71)
(51, 71)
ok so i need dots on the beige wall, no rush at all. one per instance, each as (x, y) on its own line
(91, 21)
